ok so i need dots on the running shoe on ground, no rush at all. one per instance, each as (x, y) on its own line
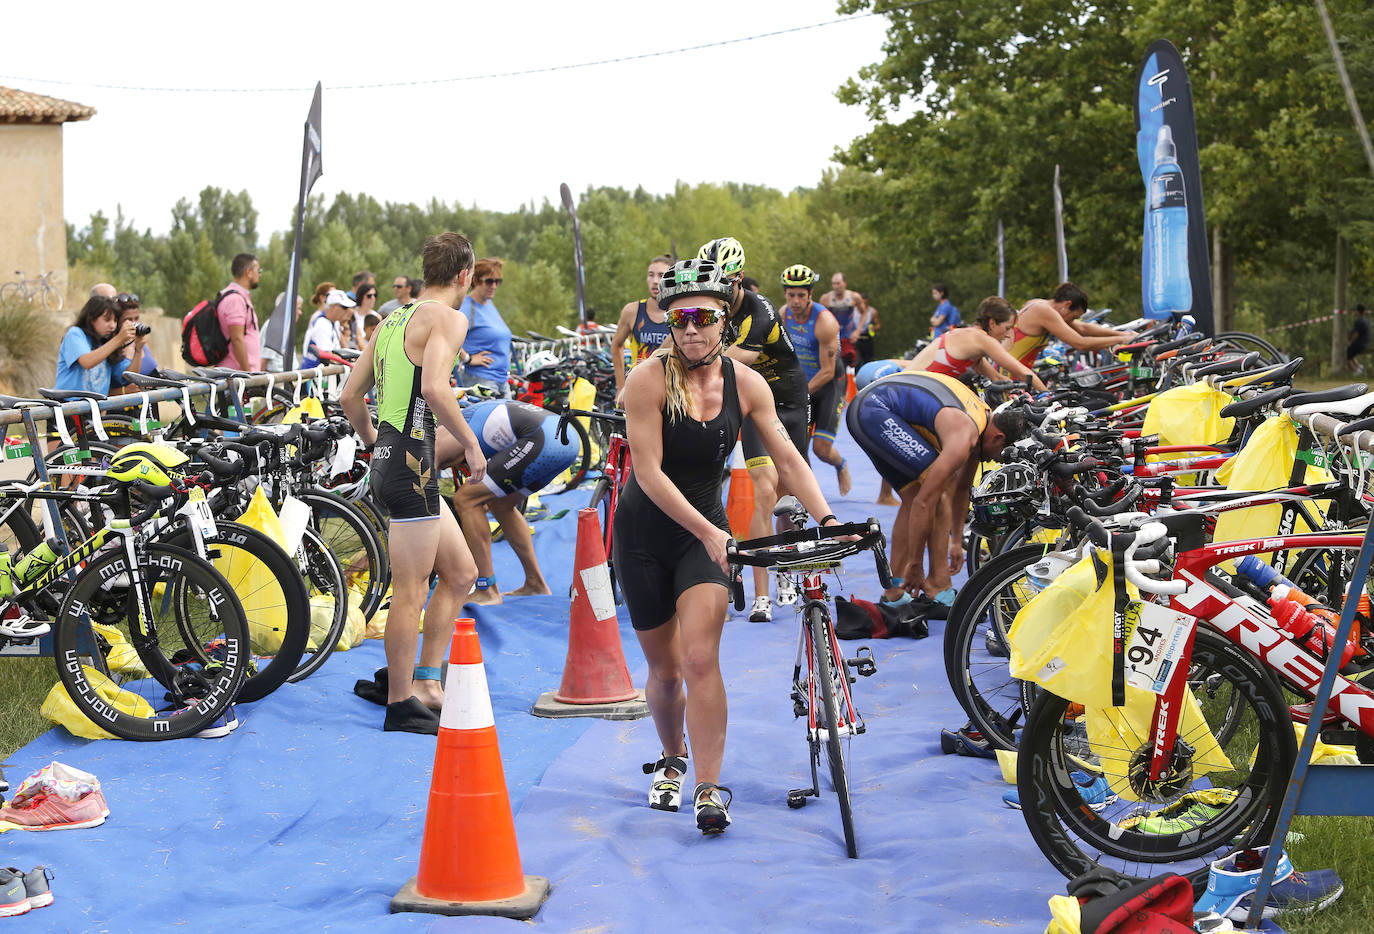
(787, 591)
(411, 716)
(1192, 810)
(1094, 791)
(35, 885)
(1012, 799)
(222, 725)
(665, 794)
(1232, 882)
(712, 806)
(14, 899)
(966, 741)
(53, 812)
(762, 610)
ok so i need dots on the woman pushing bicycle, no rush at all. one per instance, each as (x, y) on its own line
(683, 416)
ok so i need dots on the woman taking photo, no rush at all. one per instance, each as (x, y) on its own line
(130, 309)
(89, 358)
(684, 409)
(487, 347)
(978, 348)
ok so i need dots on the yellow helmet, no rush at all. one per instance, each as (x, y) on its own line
(726, 253)
(150, 462)
(798, 277)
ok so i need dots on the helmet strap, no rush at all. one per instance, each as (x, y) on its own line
(710, 357)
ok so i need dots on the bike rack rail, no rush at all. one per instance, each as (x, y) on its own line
(29, 415)
(1329, 790)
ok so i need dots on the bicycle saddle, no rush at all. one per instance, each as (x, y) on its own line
(1275, 374)
(186, 377)
(1247, 407)
(539, 337)
(1233, 365)
(1364, 424)
(12, 402)
(151, 382)
(67, 395)
(1338, 394)
(1355, 405)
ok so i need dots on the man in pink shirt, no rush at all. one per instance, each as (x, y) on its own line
(237, 319)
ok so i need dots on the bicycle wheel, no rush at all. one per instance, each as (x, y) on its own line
(976, 646)
(52, 297)
(601, 500)
(1246, 342)
(273, 594)
(828, 669)
(1184, 822)
(179, 663)
(324, 581)
(9, 293)
(354, 541)
(578, 470)
(375, 515)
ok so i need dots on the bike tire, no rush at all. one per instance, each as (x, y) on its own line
(828, 668)
(978, 621)
(282, 590)
(154, 661)
(601, 501)
(9, 293)
(1078, 837)
(578, 470)
(323, 577)
(1246, 342)
(356, 544)
(52, 298)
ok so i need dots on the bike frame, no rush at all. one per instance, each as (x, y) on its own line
(815, 594)
(1247, 623)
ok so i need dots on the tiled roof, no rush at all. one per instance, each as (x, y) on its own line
(24, 107)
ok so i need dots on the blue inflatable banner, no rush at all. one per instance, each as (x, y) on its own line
(1174, 272)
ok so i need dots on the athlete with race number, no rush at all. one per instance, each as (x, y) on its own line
(764, 345)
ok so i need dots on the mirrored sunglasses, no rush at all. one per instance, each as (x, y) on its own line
(701, 317)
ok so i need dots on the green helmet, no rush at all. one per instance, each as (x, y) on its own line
(726, 253)
(798, 277)
(694, 277)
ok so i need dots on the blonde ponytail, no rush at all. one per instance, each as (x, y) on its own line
(678, 400)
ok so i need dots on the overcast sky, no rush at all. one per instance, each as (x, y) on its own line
(762, 111)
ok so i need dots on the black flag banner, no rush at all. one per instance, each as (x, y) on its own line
(1176, 277)
(571, 208)
(281, 329)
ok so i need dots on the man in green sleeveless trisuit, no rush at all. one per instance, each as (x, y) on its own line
(423, 536)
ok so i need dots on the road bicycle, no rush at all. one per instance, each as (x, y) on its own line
(821, 678)
(43, 289)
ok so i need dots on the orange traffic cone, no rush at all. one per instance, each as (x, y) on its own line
(739, 506)
(469, 860)
(850, 390)
(596, 680)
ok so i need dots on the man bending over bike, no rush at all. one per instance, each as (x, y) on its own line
(524, 455)
(926, 434)
(413, 398)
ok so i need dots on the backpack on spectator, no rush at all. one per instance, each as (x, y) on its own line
(202, 341)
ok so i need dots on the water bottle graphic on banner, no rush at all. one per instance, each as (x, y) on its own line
(1171, 288)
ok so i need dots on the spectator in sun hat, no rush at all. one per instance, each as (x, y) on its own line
(322, 334)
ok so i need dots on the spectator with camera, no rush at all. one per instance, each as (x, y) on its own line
(90, 357)
(130, 309)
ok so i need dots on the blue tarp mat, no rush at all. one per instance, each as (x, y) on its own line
(309, 817)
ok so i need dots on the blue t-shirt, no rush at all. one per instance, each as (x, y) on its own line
(951, 317)
(72, 375)
(487, 332)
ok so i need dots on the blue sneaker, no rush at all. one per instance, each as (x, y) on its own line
(222, 725)
(1094, 791)
(1012, 799)
(1232, 882)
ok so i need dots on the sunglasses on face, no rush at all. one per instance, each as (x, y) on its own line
(492, 281)
(127, 298)
(701, 317)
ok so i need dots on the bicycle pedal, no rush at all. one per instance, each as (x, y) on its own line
(796, 798)
(863, 662)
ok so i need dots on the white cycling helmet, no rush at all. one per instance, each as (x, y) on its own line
(541, 359)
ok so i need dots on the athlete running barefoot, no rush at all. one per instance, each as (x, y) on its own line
(977, 348)
(1042, 322)
(849, 309)
(409, 360)
(524, 455)
(764, 345)
(816, 337)
(641, 324)
(683, 414)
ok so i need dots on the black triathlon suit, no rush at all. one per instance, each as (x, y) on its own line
(403, 475)
(761, 328)
(656, 559)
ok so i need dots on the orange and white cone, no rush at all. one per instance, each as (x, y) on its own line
(739, 506)
(596, 681)
(469, 859)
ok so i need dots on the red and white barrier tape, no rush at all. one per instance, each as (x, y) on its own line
(1298, 324)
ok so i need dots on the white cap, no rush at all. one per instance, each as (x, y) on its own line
(339, 297)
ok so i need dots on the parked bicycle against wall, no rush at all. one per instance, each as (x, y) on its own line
(35, 291)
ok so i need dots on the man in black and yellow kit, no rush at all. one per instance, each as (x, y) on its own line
(761, 341)
(409, 360)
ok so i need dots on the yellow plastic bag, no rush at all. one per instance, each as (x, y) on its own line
(1062, 638)
(261, 516)
(1189, 415)
(255, 584)
(308, 407)
(322, 615)
(59, 708)
(1265, 463)
(1129, 727)
(1327, 753)
(122, 656)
